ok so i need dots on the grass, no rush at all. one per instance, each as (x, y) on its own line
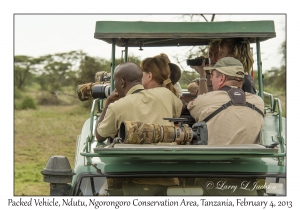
(39, 134)
(281, 95)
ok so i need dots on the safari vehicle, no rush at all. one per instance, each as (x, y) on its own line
(100, 168)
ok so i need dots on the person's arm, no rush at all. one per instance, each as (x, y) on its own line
(203, 80)
(112, 98)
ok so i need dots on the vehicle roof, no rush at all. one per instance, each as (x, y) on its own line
(154, 34)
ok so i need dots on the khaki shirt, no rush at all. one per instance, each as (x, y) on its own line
(234, 125)
(148, 106)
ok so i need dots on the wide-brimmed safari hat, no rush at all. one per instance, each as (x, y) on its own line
(228, 66)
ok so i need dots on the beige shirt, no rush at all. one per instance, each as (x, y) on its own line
(234, 125)
(148, 106)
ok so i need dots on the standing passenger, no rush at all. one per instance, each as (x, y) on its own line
(214, 57)
(240, 49)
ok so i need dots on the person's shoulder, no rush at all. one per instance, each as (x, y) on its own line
(158, 90)
(253, 97)
(216, 93)
(119, 103)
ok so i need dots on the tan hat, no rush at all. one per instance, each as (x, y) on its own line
(228, 66)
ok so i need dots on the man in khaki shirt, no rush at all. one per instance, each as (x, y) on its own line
(235, 124)
(130, 102)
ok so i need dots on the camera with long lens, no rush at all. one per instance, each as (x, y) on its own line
(132, 132)
(99, 89)
(92, 91)
(197, 61)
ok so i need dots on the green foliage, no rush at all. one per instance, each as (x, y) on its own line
(24, 69)
(274, 80)
(59, 70)
(28, 103)
(187, 77)
(88, 68)
(17, 93)
(132, 58)
(53, 72)
(276, 77)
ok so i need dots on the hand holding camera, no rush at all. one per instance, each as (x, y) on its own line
(114, 96)
(198, 64)
(198, 61)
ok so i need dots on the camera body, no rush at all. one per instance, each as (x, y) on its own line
(102, 77)
(197, 61)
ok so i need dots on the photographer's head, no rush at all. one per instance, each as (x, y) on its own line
(175, 73)
(239, 49)
(214, 51)
(227, 71)
(126, 76)
(156, 73)
(164, 56)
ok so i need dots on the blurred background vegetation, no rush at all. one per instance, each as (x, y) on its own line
(48, 115)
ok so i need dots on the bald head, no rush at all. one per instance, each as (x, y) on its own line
(126, 76)
(129, 71)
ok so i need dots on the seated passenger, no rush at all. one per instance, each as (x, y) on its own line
(193, 87)
(175, 73)
(156, 73)
(236, 124)
(149, 106)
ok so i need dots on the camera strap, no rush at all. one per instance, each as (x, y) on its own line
(137, 91)
(238, 98)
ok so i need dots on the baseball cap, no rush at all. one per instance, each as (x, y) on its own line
(228, 66)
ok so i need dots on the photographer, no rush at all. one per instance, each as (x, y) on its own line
(237, 48)
(237, 123)
(135, 104)
(213, 57)
(240, 49)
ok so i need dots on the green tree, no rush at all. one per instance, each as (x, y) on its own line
(187, 77)
(24, 69)
(89, 66)
(60, 69)
(276, 77)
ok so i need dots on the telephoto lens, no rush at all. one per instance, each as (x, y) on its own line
(146, 133)
(101, 91)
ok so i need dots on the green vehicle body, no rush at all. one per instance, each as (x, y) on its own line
(95, 161)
